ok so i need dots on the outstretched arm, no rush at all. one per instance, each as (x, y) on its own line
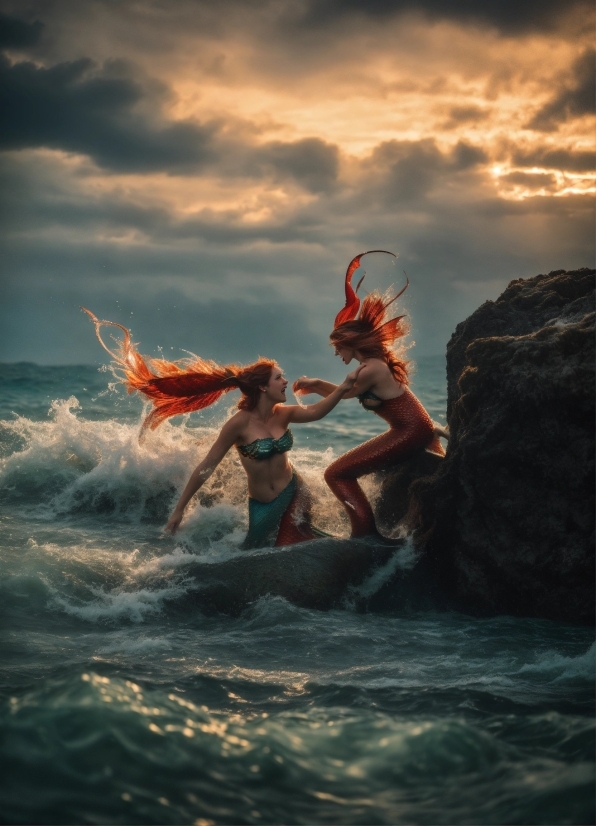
(225, 440)
(366, 376)
(314, 412)
(304, 386)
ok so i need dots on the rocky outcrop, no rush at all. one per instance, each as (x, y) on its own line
(507, 520)
(393, 502)
(317, 574)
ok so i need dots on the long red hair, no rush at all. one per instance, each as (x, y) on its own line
(176, 387)
(374, 332)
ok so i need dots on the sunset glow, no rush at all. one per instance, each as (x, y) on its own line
(247, 144)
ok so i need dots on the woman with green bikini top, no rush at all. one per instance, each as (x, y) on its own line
(285, 519)
(278, 510)
(278, 503)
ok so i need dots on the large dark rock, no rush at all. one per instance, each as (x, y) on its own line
(317, 574)
(507, 520)
(392, 505)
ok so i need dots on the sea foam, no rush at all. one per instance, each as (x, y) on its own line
(560, 668)
(118, 605)
(70, 466)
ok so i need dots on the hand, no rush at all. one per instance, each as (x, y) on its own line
(441, 431)
(303, 386)
(174, 522)
(351, 379)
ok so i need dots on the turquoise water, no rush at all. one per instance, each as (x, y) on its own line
(122, 703)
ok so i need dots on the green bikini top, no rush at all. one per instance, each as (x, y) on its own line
(368, 395)
(266, 448)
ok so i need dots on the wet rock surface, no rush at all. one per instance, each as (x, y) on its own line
(506, 522)
(392, 507)
(319, 574)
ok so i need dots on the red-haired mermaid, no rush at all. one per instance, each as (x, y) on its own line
(382, 387)
(279, 510)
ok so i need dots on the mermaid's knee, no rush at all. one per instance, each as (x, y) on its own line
(339, 471)
(331, 475)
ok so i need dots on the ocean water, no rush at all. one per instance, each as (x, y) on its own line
(121, 703)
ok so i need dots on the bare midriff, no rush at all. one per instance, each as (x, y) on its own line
(267, 477)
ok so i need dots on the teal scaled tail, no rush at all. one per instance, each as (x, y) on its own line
(264, 520)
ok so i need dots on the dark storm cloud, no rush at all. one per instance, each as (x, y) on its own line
(300, 227)
(443, 241)
(28, 205)
(575, 99)
(530, 181)
(160, 226)
(311, 162)
(464, 114)
(396, 175)
(16, 34)
(571, 216)
(555, 159)
(78, 107)
(510, 16)
(408, 170)
(398, 184)
(399, 176)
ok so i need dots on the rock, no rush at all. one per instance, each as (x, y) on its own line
(507, 520)
(392, 505)
(316, 574)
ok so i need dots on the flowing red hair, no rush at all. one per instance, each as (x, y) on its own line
(374, 332)
(176, 387)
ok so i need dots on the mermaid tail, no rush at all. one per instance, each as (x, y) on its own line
(435, 447)
(351, 495)
(295, 525)
(283, 521)
(411, 430)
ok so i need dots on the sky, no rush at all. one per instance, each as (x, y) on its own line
(203, 172)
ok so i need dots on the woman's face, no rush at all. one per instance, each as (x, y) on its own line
(346, 354)
(276, 386)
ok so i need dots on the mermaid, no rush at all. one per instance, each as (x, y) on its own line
(382, 388)
(279, 502)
